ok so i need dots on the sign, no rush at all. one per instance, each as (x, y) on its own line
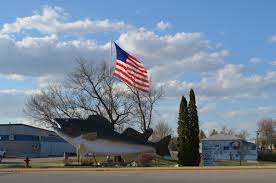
(208, 154)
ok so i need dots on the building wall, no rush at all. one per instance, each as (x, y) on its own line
(20, 148)
(23, 140)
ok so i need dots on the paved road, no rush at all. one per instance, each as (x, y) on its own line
(210, 176)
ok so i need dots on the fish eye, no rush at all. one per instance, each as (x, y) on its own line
(58, 125)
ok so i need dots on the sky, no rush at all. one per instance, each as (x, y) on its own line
(224, 50)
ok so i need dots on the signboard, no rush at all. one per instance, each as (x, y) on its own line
(208, 154)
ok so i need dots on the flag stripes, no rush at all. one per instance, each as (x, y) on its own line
(131, 71)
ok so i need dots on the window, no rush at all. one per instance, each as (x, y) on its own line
(11, 137)
(226, 147)
(36, 147)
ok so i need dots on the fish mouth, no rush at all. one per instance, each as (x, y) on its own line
(60, 122)
(66, 127)
(60, 126)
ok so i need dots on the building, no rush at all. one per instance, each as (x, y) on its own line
(226, 147)
(20, 140)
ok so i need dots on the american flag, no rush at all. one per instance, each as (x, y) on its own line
(130, 70)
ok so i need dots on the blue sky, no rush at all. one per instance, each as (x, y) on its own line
(225, 50)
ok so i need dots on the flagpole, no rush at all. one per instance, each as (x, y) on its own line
(110, 92)
(110, 61)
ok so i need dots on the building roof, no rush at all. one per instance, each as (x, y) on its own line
(21, 124)
(222, 137)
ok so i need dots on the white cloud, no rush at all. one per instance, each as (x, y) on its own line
(172, 55)
(200, 62)
(163, 25)
(12, 77)
(207, 127)
(43, 81)
(273, 38)
(31, 42)
(256, 60)
(52, 20)
(273, 63)
(261, 110)
(226, 83)
(18, 91)
(208, 108)
(12, 104)
(158, 49)
(39, 56)
(46, 55)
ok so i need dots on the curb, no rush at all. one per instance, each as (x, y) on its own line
(35, 170)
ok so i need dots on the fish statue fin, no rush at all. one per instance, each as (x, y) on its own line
(135, 135)
(100, 122)
(161, 147)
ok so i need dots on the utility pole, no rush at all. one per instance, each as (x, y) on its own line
(257, 139)
(240, 151)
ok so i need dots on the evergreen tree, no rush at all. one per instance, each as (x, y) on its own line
(202, 135)
(193, 130)
(182, 130)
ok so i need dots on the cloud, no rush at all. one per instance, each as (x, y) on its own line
(256, 60)
(180, 52)
(207, 127)
(52, 20)
(12, 77)
(273, 38)
(200, 62)
(12, 104)
(226, 83)
(18, 92)
(163, 25)
(47, 55)
(254, 111)
(273, 63)
(158, 49)
(208, 108)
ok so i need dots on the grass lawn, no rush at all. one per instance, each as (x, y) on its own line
(59, 163)
(245, 163)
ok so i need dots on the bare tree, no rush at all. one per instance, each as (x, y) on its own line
(96, 92)
(243, 134)
(227, 131)
(266, 128)
(49, 104)
(161, 130)
(88, 90)
(213, 132)
(143, 105)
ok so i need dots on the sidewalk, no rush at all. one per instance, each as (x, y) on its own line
(216, 168)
